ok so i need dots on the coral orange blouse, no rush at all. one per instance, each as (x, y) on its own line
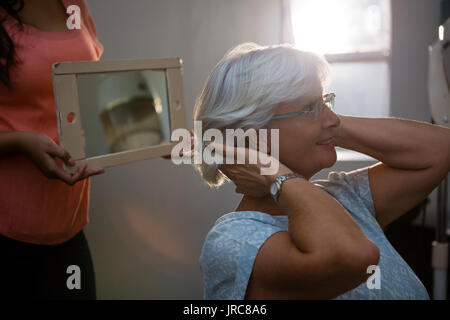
(33, 208)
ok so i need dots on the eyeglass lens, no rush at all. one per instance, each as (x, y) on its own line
(328, 101)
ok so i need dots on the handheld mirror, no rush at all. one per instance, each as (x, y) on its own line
(113, 112)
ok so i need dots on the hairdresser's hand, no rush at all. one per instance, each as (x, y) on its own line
(249, 178)
(44, 152)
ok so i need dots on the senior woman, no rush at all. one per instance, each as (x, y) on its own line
(291, 238)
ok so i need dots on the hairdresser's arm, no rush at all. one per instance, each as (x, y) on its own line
(414, 157)
(324, 253)
(43, 151)
(8, 143)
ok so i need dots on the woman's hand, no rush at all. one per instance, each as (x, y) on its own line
(339, 134)
(247, 177)
(44, 152)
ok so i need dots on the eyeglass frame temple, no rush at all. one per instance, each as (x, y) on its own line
(331, 96)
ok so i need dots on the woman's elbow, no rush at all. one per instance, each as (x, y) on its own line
(371, 254)
(346, 269)
(355, 263)
(365, 255)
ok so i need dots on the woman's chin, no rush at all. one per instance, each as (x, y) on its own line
(331, 158)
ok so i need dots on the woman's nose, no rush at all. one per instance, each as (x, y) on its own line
(329, 118)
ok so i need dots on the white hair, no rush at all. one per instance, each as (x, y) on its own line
(248, 83)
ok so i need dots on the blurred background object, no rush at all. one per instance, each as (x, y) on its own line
(439, 95)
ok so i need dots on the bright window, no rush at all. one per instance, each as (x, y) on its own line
(355, 37)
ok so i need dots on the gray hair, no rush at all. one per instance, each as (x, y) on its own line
(248, 83)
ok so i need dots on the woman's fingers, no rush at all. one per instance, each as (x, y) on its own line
(229, 154)
(251, 159)
(260, 143)
(245, 173)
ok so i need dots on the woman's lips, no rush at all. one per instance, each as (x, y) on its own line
(326, 142)
(329, 147)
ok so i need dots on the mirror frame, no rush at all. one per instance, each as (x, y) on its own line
(71, 135)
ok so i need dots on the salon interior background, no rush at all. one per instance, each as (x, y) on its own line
(148, 219)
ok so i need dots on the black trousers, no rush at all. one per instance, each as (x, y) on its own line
(30, 271)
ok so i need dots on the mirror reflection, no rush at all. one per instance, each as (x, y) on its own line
(123, 111)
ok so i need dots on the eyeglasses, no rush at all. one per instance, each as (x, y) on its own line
(311, 109)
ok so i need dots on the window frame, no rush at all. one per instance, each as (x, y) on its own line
(287, 35)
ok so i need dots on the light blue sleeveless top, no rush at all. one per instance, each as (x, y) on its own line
(231, 246)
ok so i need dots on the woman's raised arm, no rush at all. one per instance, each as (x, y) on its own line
(324, 254)
(414, 158)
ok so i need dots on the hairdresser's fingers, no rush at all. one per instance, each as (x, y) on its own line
(60, 152)
(92, 172)
(79, 174)
(85, 172)
(58, 173)
(167, 157)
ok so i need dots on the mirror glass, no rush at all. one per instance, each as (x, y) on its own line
(123, 111)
